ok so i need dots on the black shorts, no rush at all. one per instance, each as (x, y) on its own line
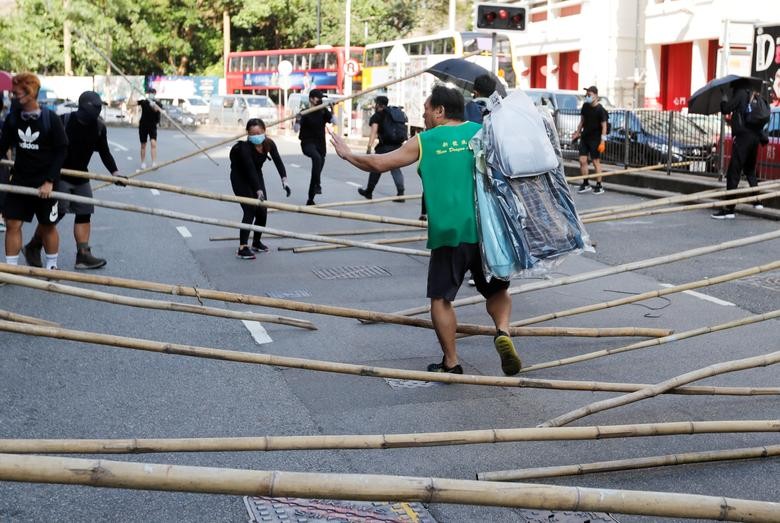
(590, 148)
(23, 207)
(448, 267)
(147, 131)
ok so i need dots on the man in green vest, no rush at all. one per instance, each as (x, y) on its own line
(447, 171)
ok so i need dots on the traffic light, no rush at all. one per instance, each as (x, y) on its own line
(500, 17)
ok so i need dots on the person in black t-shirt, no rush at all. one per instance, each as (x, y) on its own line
(41, 146)
(384, 146)
(312, 137)
(246, 177)
(592, 132)
(147, 125)
(86, 133)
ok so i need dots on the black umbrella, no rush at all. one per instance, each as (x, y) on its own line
(462, 73)
(707, 99)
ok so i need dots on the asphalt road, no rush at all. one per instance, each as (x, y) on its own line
(59, 389)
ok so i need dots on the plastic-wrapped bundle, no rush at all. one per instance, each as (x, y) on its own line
(527, 221)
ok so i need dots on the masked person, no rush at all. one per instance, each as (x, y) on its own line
(312, 137)
(147, 125)
(592, 133)
(86, 133)
(246, 177)
(41, 145)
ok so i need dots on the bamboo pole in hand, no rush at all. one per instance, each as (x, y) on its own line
(152, 304)
(180, 478)
(659, 388)
(323, 309)
(384, 241)
(213, 221)
(379, 441)
(617, 269)
(658, 341)
(684, 458)
(21, 318)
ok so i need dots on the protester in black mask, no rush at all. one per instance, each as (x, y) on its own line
(86, 133)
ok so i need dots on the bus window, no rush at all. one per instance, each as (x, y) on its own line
(261, 63)
(328, 60)
(303, 61)
(246, 63)
(234, 63)
(273, 61)
(317, 61)
(449, 46)
(415, 49)
(438, 46)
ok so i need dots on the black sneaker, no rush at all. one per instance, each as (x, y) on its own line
(400, 200)
(585, 187)
(510, 361)
(310, 201)
(259, 247)
(723, 214)
(440, 367)
(364, 193)
(423, 218)
(598, 190)
(32, 253)
(318, 189)
(85, 260)
(245, 253)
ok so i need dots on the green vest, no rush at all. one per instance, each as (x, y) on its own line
(447, 171)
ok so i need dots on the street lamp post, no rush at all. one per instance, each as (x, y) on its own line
(347, 80)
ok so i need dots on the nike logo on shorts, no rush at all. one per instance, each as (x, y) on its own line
(53, 214)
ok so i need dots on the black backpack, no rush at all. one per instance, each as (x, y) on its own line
(393, 129)
(757, 112)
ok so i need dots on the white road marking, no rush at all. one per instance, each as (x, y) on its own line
(184, 231)
(257, 331)
(353, 184)
(295, 165)
(119, 146)
(155, 192)
(704, 297)
(129, 157)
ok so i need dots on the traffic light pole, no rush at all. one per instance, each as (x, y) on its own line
(494, 66)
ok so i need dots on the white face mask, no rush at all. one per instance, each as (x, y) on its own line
(589, 99)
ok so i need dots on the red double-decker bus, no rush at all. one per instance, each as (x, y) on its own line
(257, 72)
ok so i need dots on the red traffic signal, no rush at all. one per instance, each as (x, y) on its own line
(499, 17)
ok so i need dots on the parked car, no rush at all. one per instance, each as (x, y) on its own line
(645, 135)
(236, 109)
(180, 116)
(65, 107)
(768, 162)
(193, 105)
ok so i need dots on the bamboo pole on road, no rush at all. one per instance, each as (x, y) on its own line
(381, 441)
(383, 241)
(346, 232)
(654, 390)
(599, 273)
(368, 487)
(684, 458)
(212, 221)
(624, 171)
(21, 318)
(152, 304)
(365, 201)
(249, 299)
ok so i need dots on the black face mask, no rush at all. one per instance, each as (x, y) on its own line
(15, 105)
(89, 109)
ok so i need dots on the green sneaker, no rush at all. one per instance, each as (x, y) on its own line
(510, 361)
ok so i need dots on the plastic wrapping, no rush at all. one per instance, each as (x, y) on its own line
(527, 222)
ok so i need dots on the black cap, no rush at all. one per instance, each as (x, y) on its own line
(592, 89)
(90, 106)
(316, 93)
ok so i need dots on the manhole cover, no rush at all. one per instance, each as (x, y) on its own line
(351, 271)
(771, 282)
(298, 510)
(410, 384)
(286, 295)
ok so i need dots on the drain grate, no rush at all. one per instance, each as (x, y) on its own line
(771, 282)
(397, 384)
(351, 271)
(286, 295)
(298, 510)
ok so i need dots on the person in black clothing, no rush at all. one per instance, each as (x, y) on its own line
(484, 86)
(86, 133)
(312, 137)
(41, 146)
(5, 174)
(744, 149)
(147, 125)
(592, 132)
(246, 177)
(385, 145)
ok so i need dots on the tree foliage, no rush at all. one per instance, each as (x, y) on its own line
(185, 36)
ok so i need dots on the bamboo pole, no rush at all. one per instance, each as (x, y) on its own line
(122, 342)
(617, 269)
(624, 171)
(655, 390)
(143, 303)
(346, 232)
(180, 478)
(212, 221)
(379, 441)
(321, 309)
(658, 341)
(384, 241)
(365, 201)
(707, 205)
(684, 458)
(21, 318)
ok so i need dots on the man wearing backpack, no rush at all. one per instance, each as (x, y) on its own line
(389, 125)
(86, 133)
(749, 113)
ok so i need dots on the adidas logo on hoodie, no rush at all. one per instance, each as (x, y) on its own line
(27, 139)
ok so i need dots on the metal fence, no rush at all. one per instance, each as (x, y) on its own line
(689, 143)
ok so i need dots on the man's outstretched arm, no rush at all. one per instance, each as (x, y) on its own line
(405, 155)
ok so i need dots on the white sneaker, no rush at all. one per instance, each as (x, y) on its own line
(758, 206)
(472, 283)
(154, 164)
(143, 165)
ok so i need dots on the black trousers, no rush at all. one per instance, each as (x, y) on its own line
(398, 177)
(317, 154)
(253, 216)
(743, 159)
